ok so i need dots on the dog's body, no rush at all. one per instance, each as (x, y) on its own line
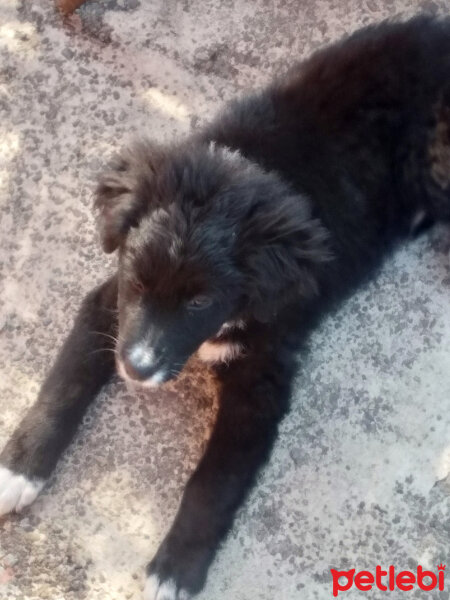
(237, 237)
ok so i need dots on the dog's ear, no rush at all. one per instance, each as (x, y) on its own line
(124, 194)
(283, 250)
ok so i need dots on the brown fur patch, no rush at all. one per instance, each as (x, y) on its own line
(439, 148)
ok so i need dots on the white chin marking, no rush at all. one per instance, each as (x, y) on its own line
(215, 352)
(152, 382)
(165, 590)
(16, 491)
(239, 324)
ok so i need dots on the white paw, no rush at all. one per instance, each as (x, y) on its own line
(163, 590)
(16, 491)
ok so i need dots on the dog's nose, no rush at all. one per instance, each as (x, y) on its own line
(139, 362)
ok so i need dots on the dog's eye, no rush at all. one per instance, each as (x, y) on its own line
(199, 303)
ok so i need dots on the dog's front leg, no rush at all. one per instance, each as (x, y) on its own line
(84, 364)
(251, 405)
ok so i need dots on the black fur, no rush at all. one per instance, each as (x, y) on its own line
(260, 220)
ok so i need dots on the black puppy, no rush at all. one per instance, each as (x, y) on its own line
(234, 239)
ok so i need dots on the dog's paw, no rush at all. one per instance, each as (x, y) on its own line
(17, 491)
(155, 589)
(177, 571)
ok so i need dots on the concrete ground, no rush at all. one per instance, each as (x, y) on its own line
(359, 475)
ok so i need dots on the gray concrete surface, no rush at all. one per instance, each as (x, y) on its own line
(359, 476)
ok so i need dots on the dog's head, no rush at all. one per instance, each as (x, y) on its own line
(204, 237)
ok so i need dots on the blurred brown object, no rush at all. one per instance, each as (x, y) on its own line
(68, 6)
